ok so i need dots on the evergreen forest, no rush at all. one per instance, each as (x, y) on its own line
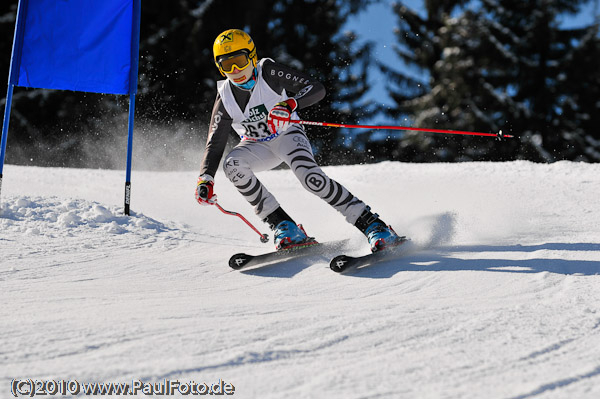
(485, 66)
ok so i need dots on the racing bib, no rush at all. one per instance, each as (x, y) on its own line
(256, 124)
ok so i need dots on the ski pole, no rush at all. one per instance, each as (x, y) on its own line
(263, 237)
(498, 135)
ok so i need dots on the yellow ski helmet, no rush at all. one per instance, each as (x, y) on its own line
(234, 48)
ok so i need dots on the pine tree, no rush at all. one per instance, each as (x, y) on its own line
(420, 49)
(506, 65)
(535, 86)
(583, 87)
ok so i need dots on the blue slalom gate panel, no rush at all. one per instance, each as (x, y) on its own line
(79, 45)
(82, 45)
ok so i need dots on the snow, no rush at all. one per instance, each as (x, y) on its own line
(499, 298)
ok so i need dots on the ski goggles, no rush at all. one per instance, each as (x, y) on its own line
(238, 60)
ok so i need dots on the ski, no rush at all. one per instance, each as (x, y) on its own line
(241, 260)
(343, 263)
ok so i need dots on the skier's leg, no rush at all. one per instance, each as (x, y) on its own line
(240, 166)
(295, 149)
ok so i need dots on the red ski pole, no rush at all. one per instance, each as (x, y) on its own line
(498, 135)
(263, 237)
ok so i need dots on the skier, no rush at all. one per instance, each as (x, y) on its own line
(257, 100)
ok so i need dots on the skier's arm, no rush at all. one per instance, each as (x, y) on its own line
(219, 130)
(305, 90)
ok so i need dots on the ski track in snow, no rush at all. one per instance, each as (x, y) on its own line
(496, 296)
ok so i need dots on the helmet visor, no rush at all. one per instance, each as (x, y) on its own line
(239, 61)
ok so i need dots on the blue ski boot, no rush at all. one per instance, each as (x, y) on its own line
(289, 235)
(380, 235)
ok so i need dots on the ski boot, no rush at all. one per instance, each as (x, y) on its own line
(380, 235)
(288, 235)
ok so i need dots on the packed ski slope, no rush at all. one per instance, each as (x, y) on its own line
(498, 299)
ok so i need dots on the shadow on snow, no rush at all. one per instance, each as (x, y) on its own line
(448, 259)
